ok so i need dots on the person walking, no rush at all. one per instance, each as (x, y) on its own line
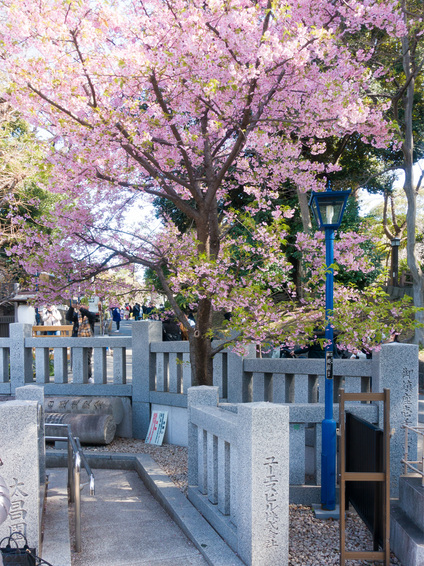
(116, 317)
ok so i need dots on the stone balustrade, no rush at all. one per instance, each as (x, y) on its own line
(239, 474)
(159, 377)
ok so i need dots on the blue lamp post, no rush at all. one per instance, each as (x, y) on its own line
(328, 208)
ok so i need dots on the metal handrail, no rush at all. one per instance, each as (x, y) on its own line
(409, 464)
(76, 457)
(86, 466)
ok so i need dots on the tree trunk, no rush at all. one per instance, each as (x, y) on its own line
(201, 346)
(207, 227)
(199, 338)
(409, 188)
(304, 211)
(201, 361)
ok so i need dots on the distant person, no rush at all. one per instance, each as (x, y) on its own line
(394, 337)
(363, 354)
(314, 350)
(148, 312)
(72, 317)
(51, 317)
(171, 329)
(83, 322)
(136, 311)
(116, 317)
(184, 331)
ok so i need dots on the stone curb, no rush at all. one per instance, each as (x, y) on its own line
(214, 550)
(56, 549)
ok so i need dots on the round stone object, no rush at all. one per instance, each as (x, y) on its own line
(90, 429)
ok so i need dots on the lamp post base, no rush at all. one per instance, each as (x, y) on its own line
(328, 465)
(324, 514)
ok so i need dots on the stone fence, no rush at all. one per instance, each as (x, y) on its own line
(239, 474)
(23, 464)
(158, 377)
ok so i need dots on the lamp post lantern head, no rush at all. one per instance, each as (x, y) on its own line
(328, 208)
(395, 242)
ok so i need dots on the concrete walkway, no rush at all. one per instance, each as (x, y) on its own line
(124, 524)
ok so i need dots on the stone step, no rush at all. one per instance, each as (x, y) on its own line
(406, 540)
(411, 499)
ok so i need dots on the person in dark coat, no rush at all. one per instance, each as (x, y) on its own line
(83, 322)
(136, 311)
(171, 329)
(314, 350)
(72, 317)
(116, 317)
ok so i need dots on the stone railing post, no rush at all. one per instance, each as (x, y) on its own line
(143, 372)
(395, 367)
(263, 483)
(236, 373)
(36, 393)
(21, 371)
(19, 430)
(206, 396)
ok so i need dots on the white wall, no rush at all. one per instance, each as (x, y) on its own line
(176, 427)
(26, 314)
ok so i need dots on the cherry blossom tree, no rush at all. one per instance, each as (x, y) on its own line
(23, 199)
(412, 63)
(170, 99)
(397, 65)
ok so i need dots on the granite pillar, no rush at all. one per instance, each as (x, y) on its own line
(21, 371)
(36, 393)
(20, 423)
(395, 367)
(143, 373)
(263, 483)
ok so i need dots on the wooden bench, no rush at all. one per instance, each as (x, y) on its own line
(40, 331)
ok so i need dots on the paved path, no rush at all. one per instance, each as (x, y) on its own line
(122, 525)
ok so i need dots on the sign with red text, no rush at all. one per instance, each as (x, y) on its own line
(157, 428)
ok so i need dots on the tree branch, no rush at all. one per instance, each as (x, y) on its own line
(59, 107)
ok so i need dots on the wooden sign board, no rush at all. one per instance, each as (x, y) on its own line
(157, 428)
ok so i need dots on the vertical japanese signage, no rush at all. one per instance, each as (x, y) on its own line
(272, 509)
(18, 511)
(329, 365)
(157, 427)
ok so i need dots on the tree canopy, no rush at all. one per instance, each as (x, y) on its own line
(23, 198)
(171, 100)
